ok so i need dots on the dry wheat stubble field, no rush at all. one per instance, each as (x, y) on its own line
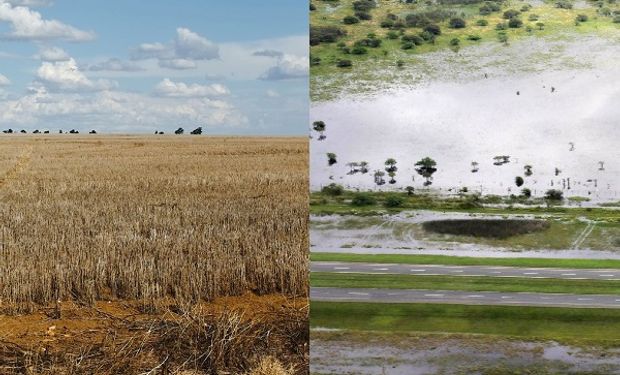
(141, 222)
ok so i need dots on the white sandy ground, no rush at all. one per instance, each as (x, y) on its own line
(457, 116)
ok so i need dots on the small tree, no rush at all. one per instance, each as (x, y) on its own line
(331, 159)
(179, 131)
(554, 195)
(379, 178)
(519, 181)
(410, 190)
(197, 131)
(426, 168)
(363, 167)
(390, 165)
(528, 170)
(350, 20)
(319, 126)
(526, 193)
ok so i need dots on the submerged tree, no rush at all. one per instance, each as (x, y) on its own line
(409, 190)
(390, 165)
(363, 167)
(331, 159)
(474, 167)
(319, 126)
(527, 170)
(353, 167)
(519, 181)
(426, 168)
(379, 177)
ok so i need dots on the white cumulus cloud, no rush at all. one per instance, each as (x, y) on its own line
(4, 81)
(178, 64)
(115, 65)
(287, 67)
(65, 75)
(171, 89)
(30, 25)
(53, 54)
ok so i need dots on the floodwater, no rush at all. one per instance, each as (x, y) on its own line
(459, 117)
(377, 354)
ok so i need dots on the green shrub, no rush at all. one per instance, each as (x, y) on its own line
(350, 20)
(394, 200)
(581, 18)
(455, 42)
(474, 37)
(332, 189)
(457, 23)
(515, 23)
(344, 63)
(482, 22)
(363, 199)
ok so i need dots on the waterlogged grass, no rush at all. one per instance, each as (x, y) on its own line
(465, 261)
(567, 325)
(379, 66)
(467, 283)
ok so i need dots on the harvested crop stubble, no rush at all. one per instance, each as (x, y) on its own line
(192, 218)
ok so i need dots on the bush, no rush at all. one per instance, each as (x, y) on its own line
(519, 181)
(526, 8)
(415, 39)
(350, 20)
(363, 199)
(474, 37)
(455, 42)
(515, 23)
(482, 23)
(392, 35)
(312, 6)
(533, 17)
(359, 50)
(564, 5)
(393, 201)
(364, 16)
(407, 45)
(581, 18)
(325, 34)
(315, 60)
(433, 29)
(344, 63)
(332, 189)
(501, 26)
(386, 24)
(511, 13)
(364, 5)
(457, 23)
(525, 192)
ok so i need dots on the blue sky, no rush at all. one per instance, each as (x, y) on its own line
(138, 66)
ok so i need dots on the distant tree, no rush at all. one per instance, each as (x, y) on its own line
(519, 181)
(426, 168)
(197, 131)
(36, 131)
(409, 190)
(319, 126)
(331, 159)
(528, 170)
(474, 166)
(363, 167)
(482, 22)
(554, 195)
(179, 131)
(511, 13)
(390, 165)
(581, 18)
(92, 132)
(379, 178)
(353, 167)
(22, 131)
(540, 25)
(525, 192)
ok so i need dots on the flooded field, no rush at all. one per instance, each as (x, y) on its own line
(404, 233)
(366, 353)
(552, 108)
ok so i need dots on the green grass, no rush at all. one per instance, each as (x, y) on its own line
(465, 261)
(378, 67)
(600, 326)
(468, 283)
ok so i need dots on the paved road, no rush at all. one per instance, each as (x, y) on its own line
(462, 297)
(415, 269)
